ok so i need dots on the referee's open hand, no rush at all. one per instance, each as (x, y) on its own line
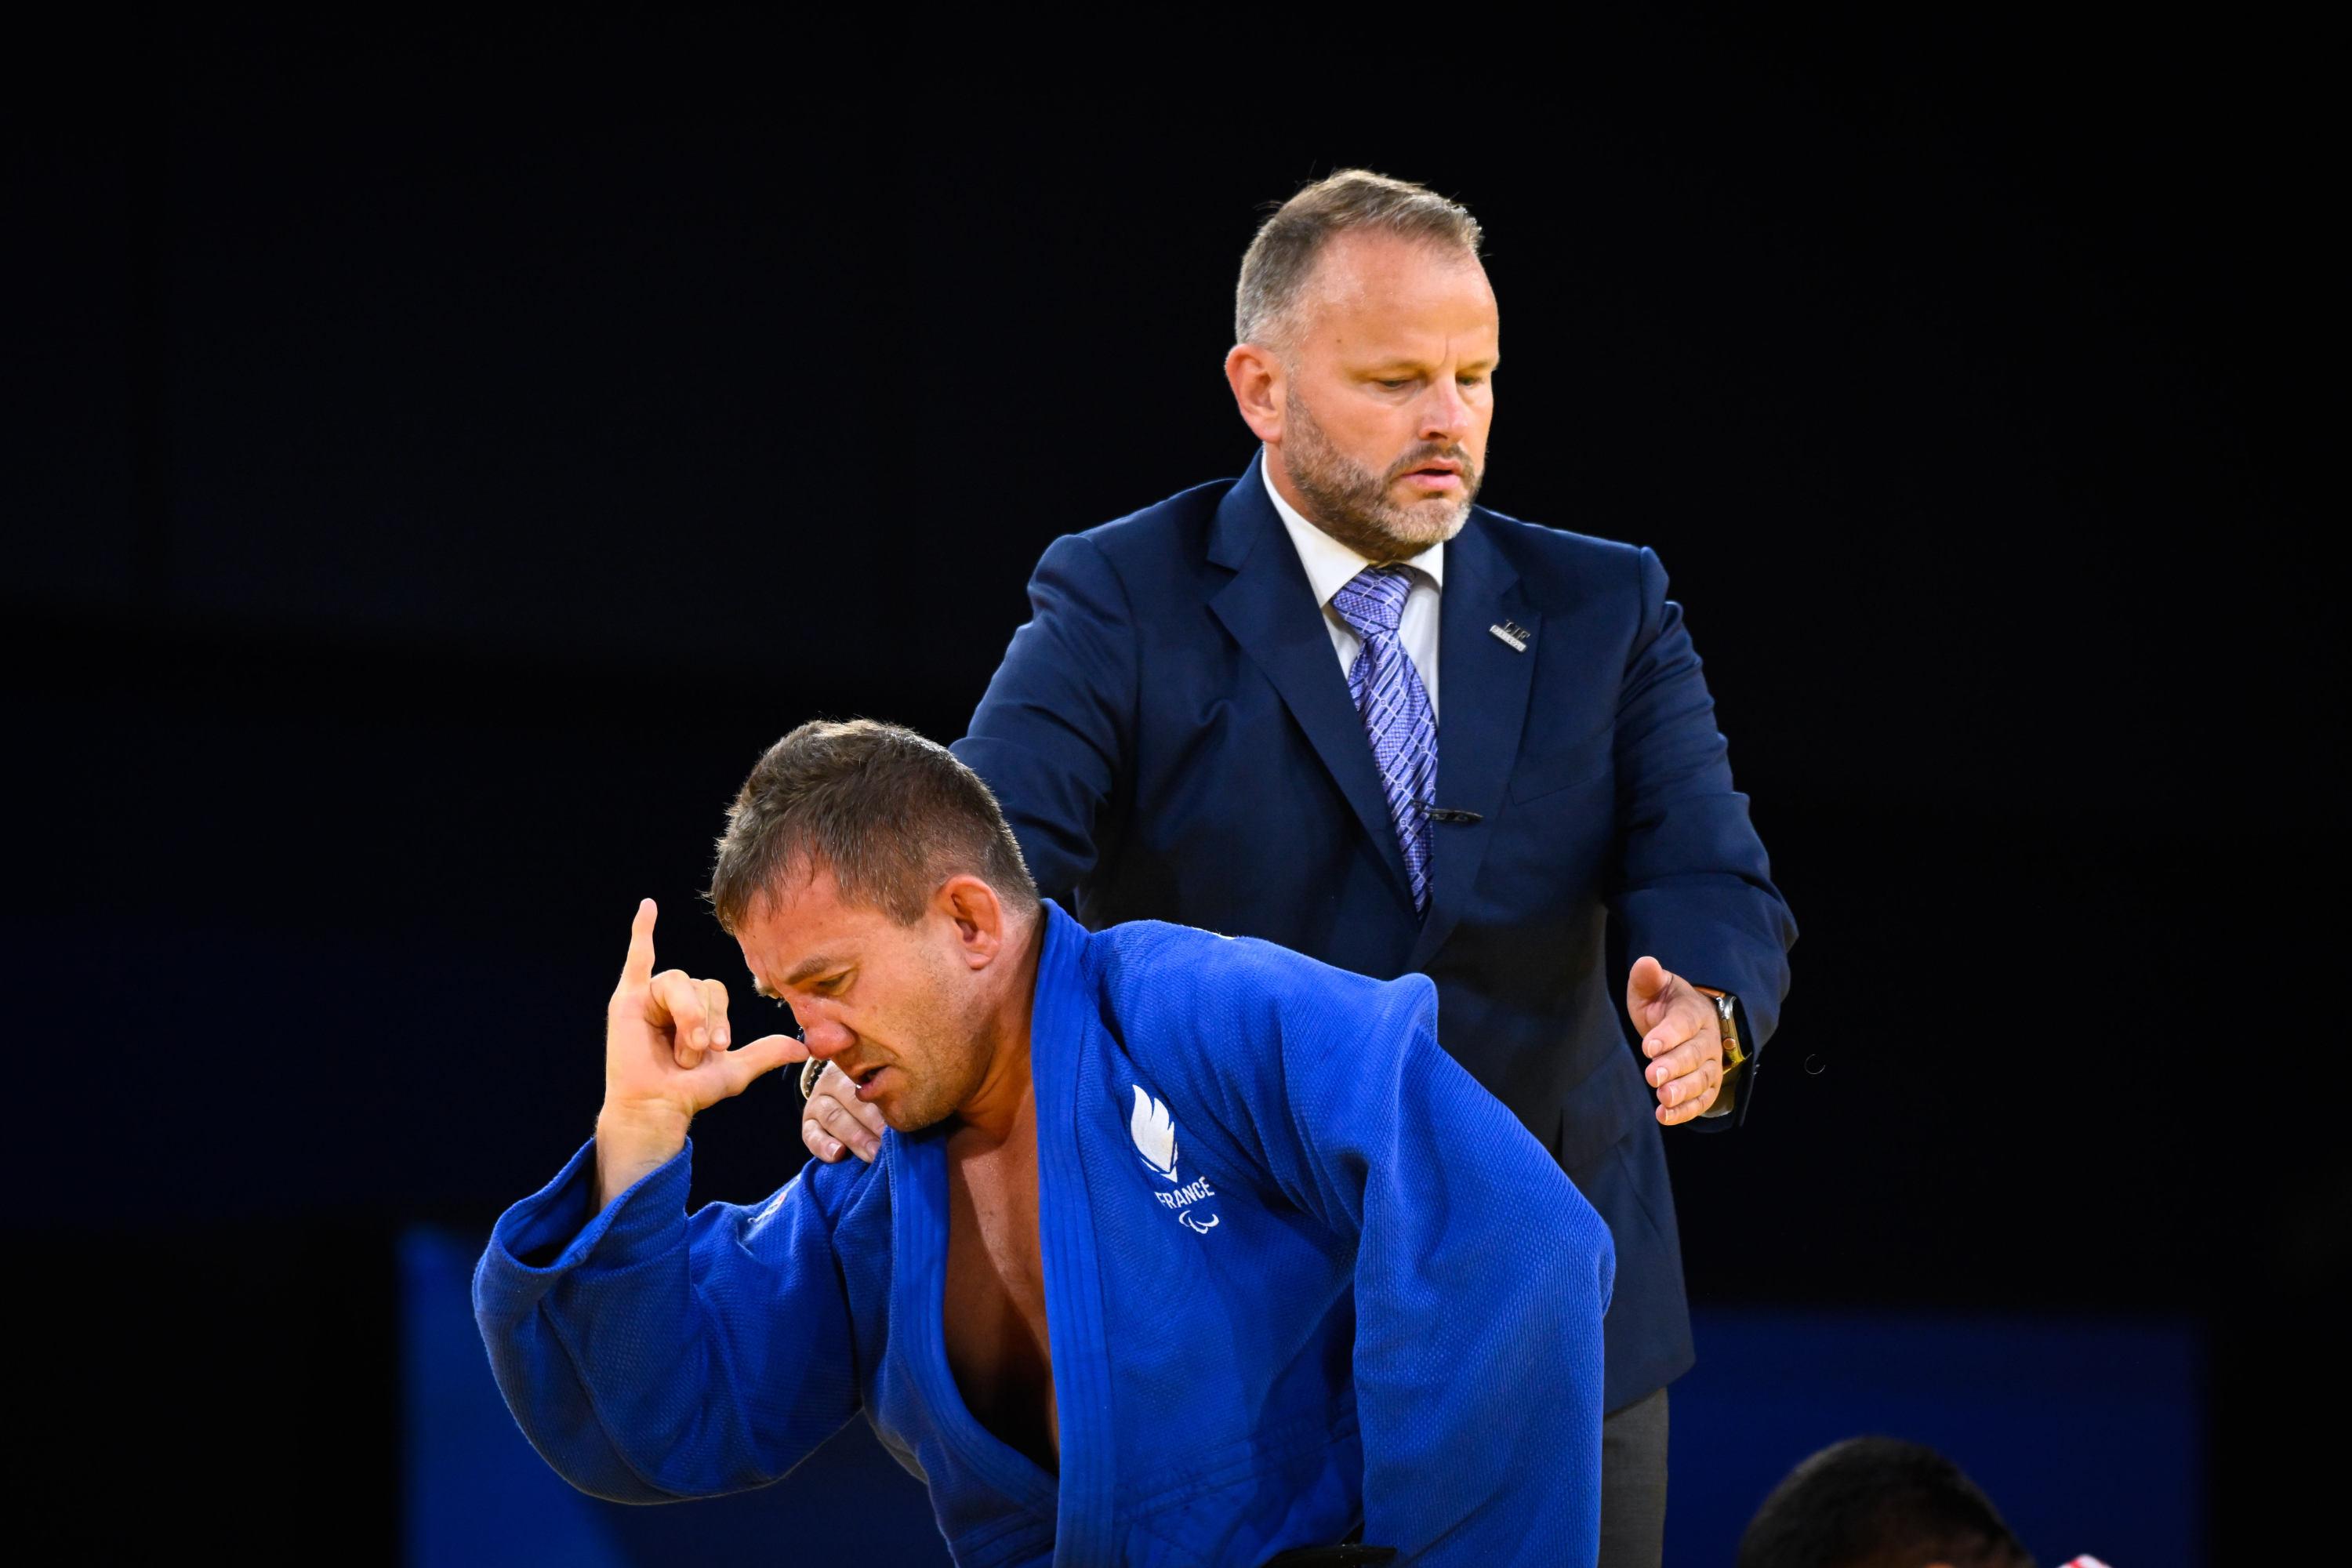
(1680, 1035)
(838, 1122)
(667, 1057)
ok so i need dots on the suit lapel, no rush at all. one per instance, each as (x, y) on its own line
(1483, 685)
(1269, 608)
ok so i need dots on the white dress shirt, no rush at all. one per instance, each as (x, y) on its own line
(1329, 566)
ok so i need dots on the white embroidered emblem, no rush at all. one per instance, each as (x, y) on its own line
(1154, 1132)
(1155, 1135)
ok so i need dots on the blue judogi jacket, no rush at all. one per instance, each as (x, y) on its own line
(1300, 1271)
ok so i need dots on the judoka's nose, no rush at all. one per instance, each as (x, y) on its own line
(822, 1031)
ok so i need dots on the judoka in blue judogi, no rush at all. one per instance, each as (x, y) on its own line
(1283, 1270)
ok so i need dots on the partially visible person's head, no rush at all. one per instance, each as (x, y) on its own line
(1366, 338)
(874, 887)
(1879, 1502)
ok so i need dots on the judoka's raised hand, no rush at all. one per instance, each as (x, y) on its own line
(1682, 1038)
(667, 1057)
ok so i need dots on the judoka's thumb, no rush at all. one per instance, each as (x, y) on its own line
(740, 1066)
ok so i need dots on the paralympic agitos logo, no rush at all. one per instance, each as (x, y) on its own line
(1154, 1132)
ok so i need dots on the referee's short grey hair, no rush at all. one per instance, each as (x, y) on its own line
(1283, 255)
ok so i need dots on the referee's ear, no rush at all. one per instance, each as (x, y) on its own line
(1257, 376)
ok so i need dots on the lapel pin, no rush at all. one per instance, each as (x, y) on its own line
(1512, 633)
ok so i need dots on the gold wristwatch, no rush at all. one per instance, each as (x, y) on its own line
(1735, 1055)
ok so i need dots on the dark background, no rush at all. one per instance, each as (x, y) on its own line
(439, 455)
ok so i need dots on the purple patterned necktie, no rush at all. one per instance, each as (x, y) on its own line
(1395, 705)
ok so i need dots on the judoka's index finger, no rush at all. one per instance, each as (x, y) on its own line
(637, 969)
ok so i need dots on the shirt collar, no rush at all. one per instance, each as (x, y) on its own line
(1330, 565)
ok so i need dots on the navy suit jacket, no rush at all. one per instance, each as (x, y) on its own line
(1171, 739)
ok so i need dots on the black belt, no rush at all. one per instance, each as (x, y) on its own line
(1350, 1556)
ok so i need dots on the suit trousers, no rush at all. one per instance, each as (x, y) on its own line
(1633, 1484)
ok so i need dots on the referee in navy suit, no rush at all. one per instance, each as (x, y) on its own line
(1336, 704)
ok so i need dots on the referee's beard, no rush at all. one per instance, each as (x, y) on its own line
(1353, 504)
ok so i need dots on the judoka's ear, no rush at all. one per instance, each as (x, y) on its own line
(979, 916)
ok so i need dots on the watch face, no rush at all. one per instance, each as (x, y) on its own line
(1734, 1053)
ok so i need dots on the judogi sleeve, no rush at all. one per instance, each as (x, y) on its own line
(649, 1355)
(1692, 884)
(1482, 1274)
